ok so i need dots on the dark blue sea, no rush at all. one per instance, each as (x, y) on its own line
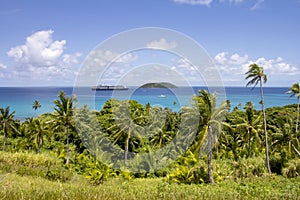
(20, 99)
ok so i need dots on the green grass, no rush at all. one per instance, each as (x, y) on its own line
(41, 176)
(32, 164)
(13, 186)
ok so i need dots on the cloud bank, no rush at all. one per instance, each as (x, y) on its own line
(234, 66)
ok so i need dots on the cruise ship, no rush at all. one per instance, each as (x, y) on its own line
(110, 87)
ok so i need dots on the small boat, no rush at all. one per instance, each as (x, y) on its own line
(110, 87)
(162, 96)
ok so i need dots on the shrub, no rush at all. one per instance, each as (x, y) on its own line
(291, 168)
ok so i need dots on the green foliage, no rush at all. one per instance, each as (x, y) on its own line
(237, 153)
(159, 85)
(36, 105)
(38, 165)
(292, 168)
(251, 167)
(23, 187)
(189, 170)
(98, 172)
(7, 124)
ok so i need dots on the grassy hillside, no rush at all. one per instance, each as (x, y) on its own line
(22, 187)
(27, 176)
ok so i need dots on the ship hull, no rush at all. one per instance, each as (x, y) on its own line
(110, 87)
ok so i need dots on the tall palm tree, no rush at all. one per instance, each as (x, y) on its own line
(7, 123)
(211, 118)
(256, 75)
(64, 108)
(295, 91)
(36, 105)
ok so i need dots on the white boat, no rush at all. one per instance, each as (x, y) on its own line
(110, 87)
(162, 96)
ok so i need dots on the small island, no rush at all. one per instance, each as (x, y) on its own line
(159, 85)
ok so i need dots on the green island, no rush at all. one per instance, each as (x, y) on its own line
(159, 85)
(248, 154)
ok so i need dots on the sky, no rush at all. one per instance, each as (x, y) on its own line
(52, 43)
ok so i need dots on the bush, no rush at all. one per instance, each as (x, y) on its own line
(189, 169)
(249, 167)
(291, 168)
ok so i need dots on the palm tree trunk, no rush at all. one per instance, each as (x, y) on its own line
(126, 150)
(297, 121)
(209, 169)
(296, 150)
(67, 147)
(249, 144)
(4, 142)
(249, 148)
(40, 143)
(265, 127)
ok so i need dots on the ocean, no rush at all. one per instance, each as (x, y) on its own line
(20, 99)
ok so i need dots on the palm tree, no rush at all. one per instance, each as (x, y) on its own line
(125, 129)
(211, 118)
(7, 123)
(36, 105)
(38, 128)
(252, 123)
(64, 108)
(285, 137)
(256, 75)
(295, 91)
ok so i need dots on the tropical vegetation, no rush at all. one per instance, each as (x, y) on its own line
(132, 151)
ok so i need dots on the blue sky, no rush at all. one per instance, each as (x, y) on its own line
(44, 43)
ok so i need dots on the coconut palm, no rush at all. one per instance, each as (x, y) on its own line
(125, 130)
(252, 123)
(64, 108)
(36, 105)
(284, 136)
(7, 123)
(38, 128)
(295, 91)
(211, 118)
(256, 75)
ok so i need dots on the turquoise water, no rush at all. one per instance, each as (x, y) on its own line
(21, 99)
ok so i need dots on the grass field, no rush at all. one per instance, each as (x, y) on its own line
(13, 186)
(42, 176)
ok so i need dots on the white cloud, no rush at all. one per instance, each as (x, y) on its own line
(43, 58)
(100, 58)
(233, 67)
(39, 49)
(233, 1)
(105, 66)
(162, 44)
(195, 2)
(237, 64)
(221, 57)
(257, 5)
(236, 59)
(276, 66)
(2, 66)
(70, 60)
